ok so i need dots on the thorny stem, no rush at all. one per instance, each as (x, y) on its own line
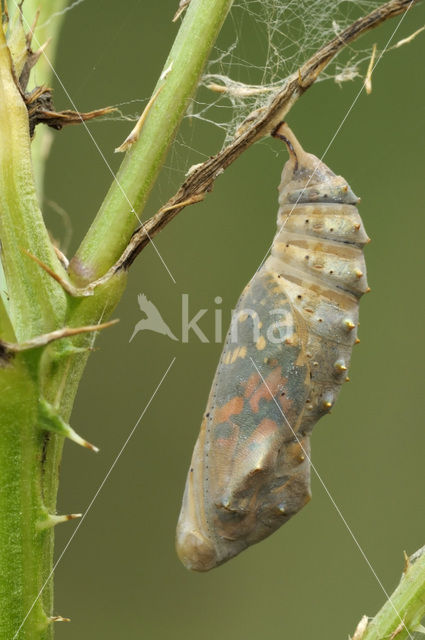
(401, 615)
(30, 379)
(39, 378)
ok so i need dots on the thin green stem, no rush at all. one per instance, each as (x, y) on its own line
(401, 615)
(117, 219)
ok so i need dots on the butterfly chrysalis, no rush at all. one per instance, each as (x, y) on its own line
(250, 470)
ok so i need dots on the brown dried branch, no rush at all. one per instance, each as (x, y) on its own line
(261, 123)
(201, 180)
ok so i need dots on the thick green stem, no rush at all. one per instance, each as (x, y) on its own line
(401, 615)
(22, 546)
(37, 389)
(37, 302)
(116, 220)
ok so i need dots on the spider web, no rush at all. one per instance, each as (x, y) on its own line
(264, 42)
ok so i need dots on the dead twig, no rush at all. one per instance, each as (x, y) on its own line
(41, 110)
(201, 180)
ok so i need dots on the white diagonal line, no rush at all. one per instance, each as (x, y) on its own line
(61, 13)
(132, 209)
(117, 457)
(338, 129)
(331, 498)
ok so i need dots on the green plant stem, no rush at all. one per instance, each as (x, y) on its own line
(40, 386)
(21, 223)
(401, 615)
(35, 304)
(116, 219)
(22, 547)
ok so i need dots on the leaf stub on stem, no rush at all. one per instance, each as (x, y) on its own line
(9, 349)
(41, 111)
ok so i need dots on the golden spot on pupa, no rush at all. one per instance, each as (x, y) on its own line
(260, 325)
(242, 317)
(234, 355)
(227, 357)
(261, 343)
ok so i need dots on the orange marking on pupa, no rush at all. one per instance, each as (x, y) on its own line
(270, 388)
(253, 382)
(231, 408)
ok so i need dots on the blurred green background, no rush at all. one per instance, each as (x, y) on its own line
(120, 577)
